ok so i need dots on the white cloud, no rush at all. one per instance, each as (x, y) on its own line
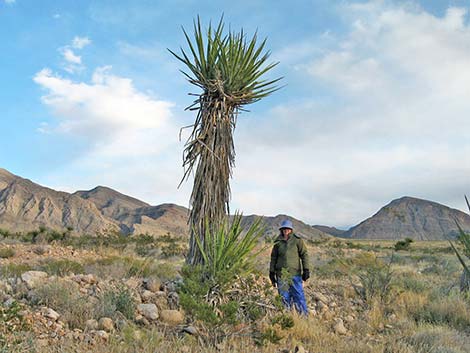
(132, 138)
(72, 61)
(395, 121)
(80, 42)
(10, 2)
(108, 105)
(71, 57)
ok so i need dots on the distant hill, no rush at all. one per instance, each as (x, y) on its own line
(26, 206)
(110, 202)
(413, 218)
(330, 230)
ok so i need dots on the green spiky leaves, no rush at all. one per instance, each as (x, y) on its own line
(227, 65)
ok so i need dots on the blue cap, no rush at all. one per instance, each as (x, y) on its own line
(286, 224)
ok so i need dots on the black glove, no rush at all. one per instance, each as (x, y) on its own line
(306, 275)
(272, 277)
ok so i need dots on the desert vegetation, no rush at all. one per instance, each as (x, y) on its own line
(94, 294)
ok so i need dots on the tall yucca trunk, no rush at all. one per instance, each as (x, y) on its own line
(227, 67)
(211, 190)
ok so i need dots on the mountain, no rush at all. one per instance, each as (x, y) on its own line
(156, 220)
(26, 206)
(330, 230)
(413, 218)
(110, 202)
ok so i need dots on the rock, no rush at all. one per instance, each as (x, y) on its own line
(171, 317)
(50, 314)
(33, 278)
(88, 279)
(91, 324)
(173, 300)
(161, 302)
(349, 318)
(320, 297)
(152, 284)
(106, 324)
(339, 328)
(191, 330)
(146, 296)
(149, 311)
(102, 334)
(9, 302)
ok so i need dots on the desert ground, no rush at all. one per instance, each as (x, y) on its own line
(123, 294)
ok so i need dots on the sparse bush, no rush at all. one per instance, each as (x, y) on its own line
(113, 301)
(61, 267)
(6, 253)
(14, 270)
(65, 298)
(270, 335)
(375, 277)
(410, 281)
(11, 321)
(452, 310)
(174, 249)
(286, 321)
(403, 244)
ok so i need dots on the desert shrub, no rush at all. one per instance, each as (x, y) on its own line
(413, 282)
(6, 253)
(61, 267)
(65, 298)
(403, 244)
(334, 268)
(14, 270)
(375, 277)
(111, 302)
(437, 340)
(285, 321)
(174, 249)
(10, 321)
(269, 335)
(452, 310)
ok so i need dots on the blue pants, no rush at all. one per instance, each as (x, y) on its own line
(293, 293)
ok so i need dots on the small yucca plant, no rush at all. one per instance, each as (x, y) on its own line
(229, 250)
(228, 67)
(464, 239)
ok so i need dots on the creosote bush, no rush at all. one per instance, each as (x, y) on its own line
(114, 301)
(403, 244)
(6, 253)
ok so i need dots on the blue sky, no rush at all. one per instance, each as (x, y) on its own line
(376, 104)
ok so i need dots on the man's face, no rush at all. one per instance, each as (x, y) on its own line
(286, 232)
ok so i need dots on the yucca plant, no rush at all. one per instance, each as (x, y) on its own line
(228, 67)
(228, 254)
(228, 250)
(464, 239)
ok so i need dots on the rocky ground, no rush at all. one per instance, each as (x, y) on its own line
(54, 297)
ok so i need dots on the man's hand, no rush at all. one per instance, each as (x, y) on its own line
(305, 275)
(272, 277)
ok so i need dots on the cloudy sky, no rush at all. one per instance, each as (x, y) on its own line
(376, 104)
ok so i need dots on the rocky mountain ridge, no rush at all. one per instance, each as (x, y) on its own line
(409, 217)
(26, 206)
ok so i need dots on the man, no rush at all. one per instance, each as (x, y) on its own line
(289, 267)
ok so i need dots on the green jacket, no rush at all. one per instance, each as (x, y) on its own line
(291, 255)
